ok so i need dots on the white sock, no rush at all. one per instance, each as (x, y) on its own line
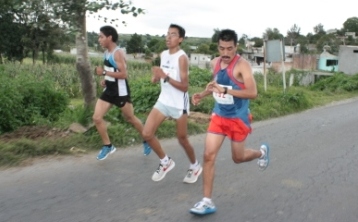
(207, 200)
(193, 165)
(164, 160)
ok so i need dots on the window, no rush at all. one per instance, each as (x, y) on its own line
(331, 62)
(355, 51)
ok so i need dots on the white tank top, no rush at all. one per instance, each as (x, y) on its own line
(169, 95)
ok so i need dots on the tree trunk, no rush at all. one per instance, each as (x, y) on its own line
(34, 55)
(83, 65)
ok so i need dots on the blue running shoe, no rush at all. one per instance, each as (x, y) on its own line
(203, 208)
(146, 148)
(264, 161)
(106, 150)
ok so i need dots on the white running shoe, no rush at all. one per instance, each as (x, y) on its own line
(162, 170)
(203, 207)
(264, 161)
(193, 174)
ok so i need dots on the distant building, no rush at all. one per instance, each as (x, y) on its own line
(352, 34)
(200, 60)
(331, 31)
(348, 57)
(327, 61)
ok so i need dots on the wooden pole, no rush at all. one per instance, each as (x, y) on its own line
(283, 67)
(265, 77)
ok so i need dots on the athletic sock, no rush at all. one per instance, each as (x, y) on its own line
(165, 160)
(207, 200)
(194, 165)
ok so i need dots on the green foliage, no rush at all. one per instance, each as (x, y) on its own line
(328, 40)
(199, 77)
(11, 107)
(144, 93)
(135, 44)
(351, 25)
(10, 41)
(337, 83)
(272, 34)
(75, 113)
(156, 61)
(274, 103)
(41, 98)
(27, 101)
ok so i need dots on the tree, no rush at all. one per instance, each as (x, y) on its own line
(293, 34)
(318, 29)
(156, 45)
(135, 44)
(215, 37)
(258, 42)
(328, 40)
(203, 48)
(73, 14)
(272, 34)
(318, 33)
(10, 41)
(303, 42)
(242, 40)
(152, 44)
(351, 25)
(213, 47)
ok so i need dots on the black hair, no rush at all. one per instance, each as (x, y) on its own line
(228, 35)
(180, 29)
(109, 30)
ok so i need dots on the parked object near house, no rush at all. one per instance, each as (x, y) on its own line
(348, 59)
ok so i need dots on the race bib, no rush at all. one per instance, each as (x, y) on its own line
(109, 78)
(222, 98)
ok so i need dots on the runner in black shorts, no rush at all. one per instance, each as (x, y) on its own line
(116, 90)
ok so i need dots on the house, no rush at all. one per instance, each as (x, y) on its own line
(352, 34)
(348, 57)
(200, 60)
(327, 61)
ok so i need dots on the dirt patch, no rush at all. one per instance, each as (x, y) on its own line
(201, 118)
(34, 133)
(38, 132)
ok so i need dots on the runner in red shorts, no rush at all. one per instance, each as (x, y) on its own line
(232, 87)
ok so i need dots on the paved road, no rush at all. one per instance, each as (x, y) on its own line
(312, 177)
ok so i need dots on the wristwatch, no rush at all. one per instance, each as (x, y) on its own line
(225, 89)
(166, 79)
(104, 72)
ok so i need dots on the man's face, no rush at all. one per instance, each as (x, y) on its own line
(104, 40)
(227, 50)
(172, 39)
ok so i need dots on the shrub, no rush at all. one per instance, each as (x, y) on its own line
(144, 93)
(199, 77)
(26, 101)
(11, 109)
(337, 83)
(43, 99)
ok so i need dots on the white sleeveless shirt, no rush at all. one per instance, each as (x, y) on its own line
(169, 95)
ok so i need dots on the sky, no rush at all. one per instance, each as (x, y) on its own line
(252, 18)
